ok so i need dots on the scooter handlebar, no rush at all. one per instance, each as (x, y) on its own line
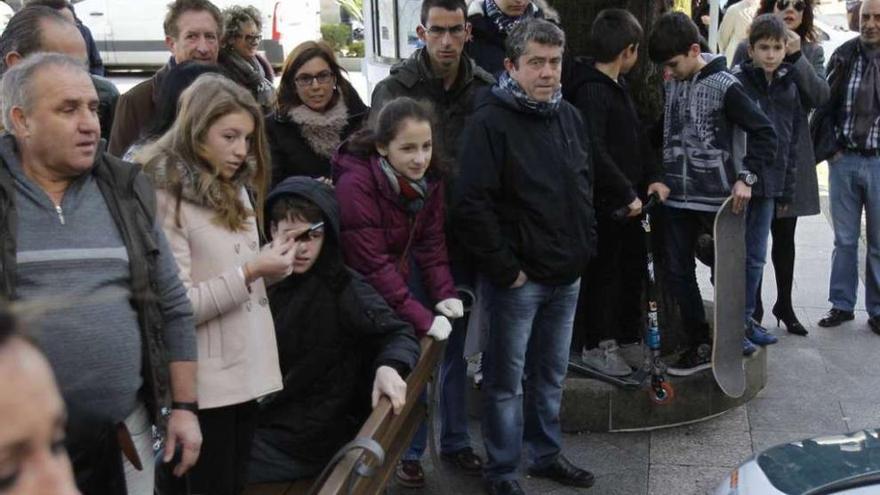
(621, 213)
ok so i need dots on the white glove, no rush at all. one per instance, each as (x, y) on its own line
(440, 329)
(450, 308)
(388, 383)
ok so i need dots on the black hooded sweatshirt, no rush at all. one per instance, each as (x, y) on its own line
(624, 163)
(333, 330)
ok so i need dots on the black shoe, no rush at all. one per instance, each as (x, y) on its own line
(791, 322)
(566, 473)
(874, 323)
(504, 487)
(836, 317)
(465, 460)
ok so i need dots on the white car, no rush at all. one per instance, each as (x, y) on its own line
(129, 33)
(6, 13)
(840, 464)
(831, 37)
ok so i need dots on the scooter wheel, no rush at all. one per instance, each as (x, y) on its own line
(663, 395)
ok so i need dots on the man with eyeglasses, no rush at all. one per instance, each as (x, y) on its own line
(846, 132)
(442, 74)
(192, 32)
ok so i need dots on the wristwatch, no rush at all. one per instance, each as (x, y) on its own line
(747, 178)
(192, 407)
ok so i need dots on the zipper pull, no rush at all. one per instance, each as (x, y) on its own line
(60, 213)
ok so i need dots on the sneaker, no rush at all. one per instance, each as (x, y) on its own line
(605, 359)
(748, 347)
(410, 475)
(633, 354)
(692, 361)
(759, 335)
(465, 460)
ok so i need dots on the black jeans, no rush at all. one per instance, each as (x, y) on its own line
(682, 228)
(782, 254)
(610, 300)
(227, 434)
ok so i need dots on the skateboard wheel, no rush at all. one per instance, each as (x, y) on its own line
(662, 396)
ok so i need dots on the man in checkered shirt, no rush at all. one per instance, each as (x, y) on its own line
(846, 131)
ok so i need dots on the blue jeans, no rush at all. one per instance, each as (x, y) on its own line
(524, 365)
(454, 434)
(758, 220)
(854, 184)
(681, 229)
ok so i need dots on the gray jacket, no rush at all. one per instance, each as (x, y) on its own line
(809, 76)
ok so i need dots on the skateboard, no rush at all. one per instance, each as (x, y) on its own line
(730, 295)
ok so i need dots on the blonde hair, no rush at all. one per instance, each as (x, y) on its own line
(210, 98)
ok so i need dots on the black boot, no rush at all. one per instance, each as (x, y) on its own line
(788, 317)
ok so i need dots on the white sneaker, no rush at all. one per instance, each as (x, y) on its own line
(633, 354)
(606, 359)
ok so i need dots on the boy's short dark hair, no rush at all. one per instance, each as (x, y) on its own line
(613, 31)
(453, 5)
(294, 207)
(766, 26)
(673, 34)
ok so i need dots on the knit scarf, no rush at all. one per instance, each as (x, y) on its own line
(322, 131)
(508, 85)
(411, 191)
(504, 22)
(249, 73)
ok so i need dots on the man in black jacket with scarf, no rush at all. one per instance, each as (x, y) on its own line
(335, 334)
(524, 211)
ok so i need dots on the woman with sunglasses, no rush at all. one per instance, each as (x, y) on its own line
(317, 109)
(239, 57)
(806, 55)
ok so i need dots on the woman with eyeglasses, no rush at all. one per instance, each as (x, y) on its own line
(806, 55)
(317, 109)
(239, 57)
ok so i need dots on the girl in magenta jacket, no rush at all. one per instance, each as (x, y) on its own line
(391, 198)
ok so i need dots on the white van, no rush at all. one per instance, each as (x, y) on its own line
(129, 33)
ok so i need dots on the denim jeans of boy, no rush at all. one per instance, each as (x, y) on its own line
(854, 185)
(759, 216)
(524, 366)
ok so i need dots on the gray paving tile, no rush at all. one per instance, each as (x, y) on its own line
(808, 413)
(857, 361)
(861, 414)
(680, 446)
(667, 479)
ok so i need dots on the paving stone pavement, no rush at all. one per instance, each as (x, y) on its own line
(820, 384)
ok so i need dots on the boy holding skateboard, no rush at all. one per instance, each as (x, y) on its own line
(705, 104)
(626, 172)
(770, 82)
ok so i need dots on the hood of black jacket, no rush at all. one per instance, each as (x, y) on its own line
(581, 71)
(714, 65)
(313, 190)
(756, 74)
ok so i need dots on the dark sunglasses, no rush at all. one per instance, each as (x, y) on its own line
(798, 5)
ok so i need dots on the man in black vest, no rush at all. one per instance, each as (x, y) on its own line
(78, 237)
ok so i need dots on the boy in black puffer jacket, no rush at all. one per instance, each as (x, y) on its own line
(770, 82)
(334, 332)
(610, 316)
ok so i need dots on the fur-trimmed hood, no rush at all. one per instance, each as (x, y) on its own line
(194, 182)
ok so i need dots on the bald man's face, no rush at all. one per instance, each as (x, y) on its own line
(869, 27)
(63, 38)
